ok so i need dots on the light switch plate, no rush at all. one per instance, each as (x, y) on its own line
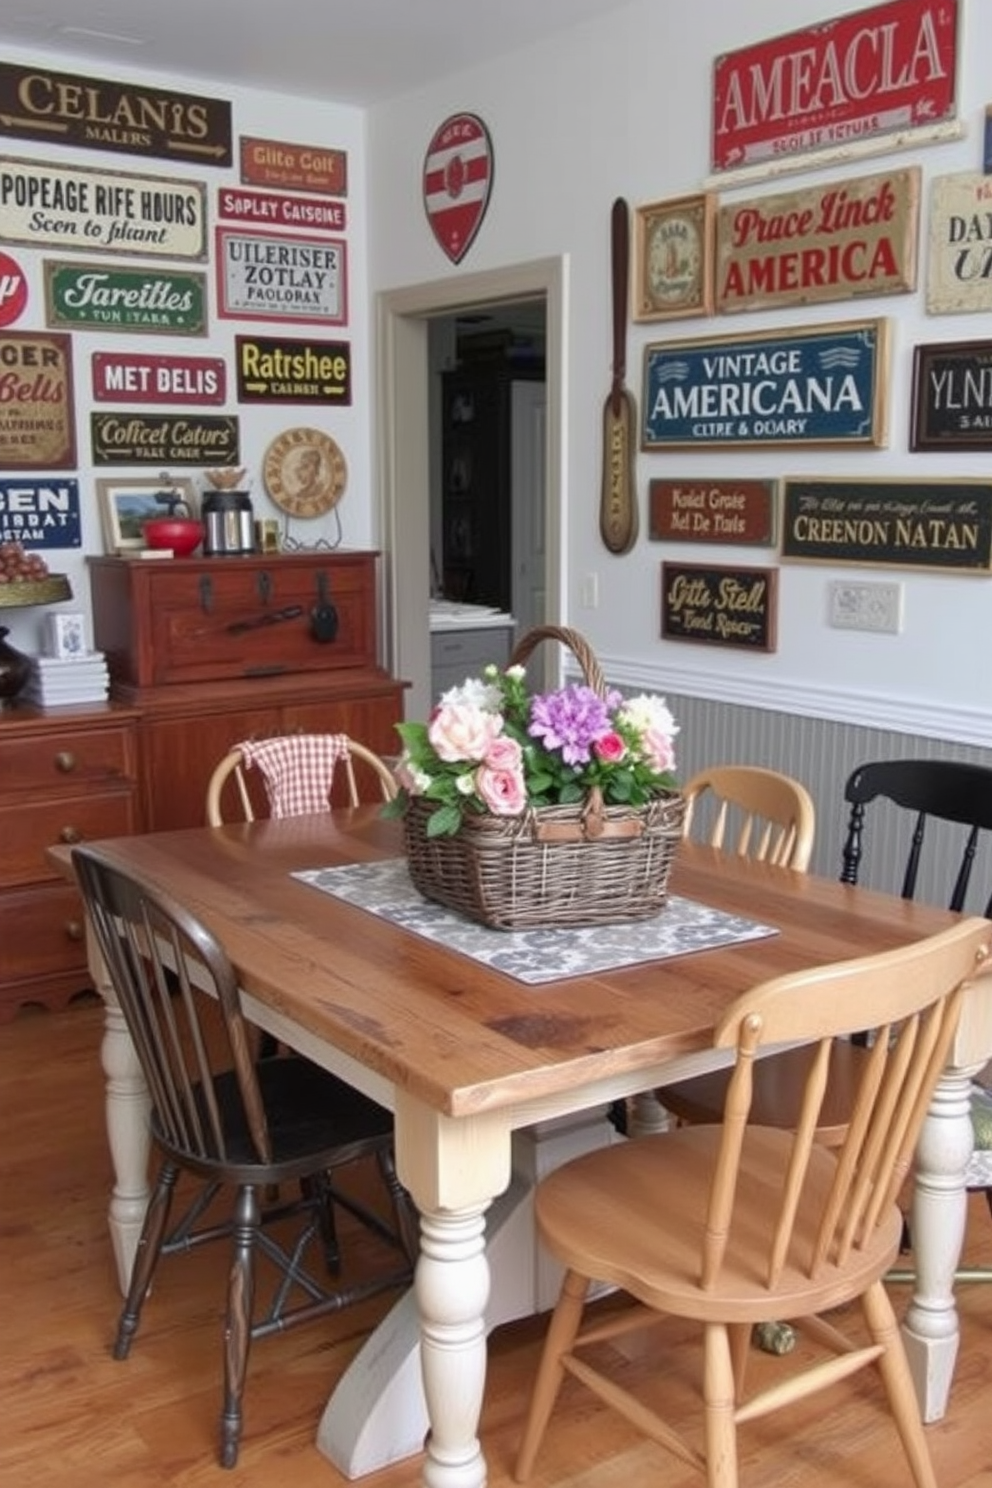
(866, 606)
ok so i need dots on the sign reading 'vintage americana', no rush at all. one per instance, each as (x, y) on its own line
(164, 439)
(712, 511)
(952, 396)
(833, 242)
(275, 371)
(37, 428)
(261, 276)
(859, 77)
(719, 606)
(91, 297)
(134, 377)
(44, 205)
(905, 523)
(959, 272)
(40, 513)
(821, 385)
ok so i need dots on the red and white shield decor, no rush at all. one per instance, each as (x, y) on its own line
(458, 177)
(13, 290)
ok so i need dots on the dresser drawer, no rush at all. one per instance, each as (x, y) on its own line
(43, 933)
(29, 829)
(65, 760)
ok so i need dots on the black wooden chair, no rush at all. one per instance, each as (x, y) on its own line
(241, 1124)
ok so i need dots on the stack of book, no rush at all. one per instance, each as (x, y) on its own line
(55, 681)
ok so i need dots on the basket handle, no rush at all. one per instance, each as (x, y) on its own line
(577, 644)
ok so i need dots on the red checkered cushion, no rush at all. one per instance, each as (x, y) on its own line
(298, 769)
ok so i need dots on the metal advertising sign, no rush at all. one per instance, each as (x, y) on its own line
(952, 396)
(41, 513)
(13, 290)
(37, 428)
(945, 524)
(267, 209)
(719, 606)
(274, 371)
(93, 297)
(165, 439)
(262, 276)
(959, 262)
(63, 108)
(266, 162)
(132, 377)
(861, 76)
(458, 179)
(833, 242)
(819, 385)
(43, 206)
(741, 512)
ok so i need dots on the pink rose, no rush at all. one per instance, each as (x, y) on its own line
(504, 753)
(501, 791)
(609, 749)
(462, 731)
(659, 750)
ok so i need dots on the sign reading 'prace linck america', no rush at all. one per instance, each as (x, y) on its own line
(859, 77)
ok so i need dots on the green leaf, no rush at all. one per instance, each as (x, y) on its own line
(444, 822)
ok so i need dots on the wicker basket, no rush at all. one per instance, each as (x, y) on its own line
(555, 867)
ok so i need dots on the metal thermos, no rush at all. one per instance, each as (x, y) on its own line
(228, 524)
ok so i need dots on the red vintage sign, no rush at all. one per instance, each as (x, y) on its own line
(458, 177)
(260, 207)
(863, 75)
(132, 377)
(13, 290)
(266, 162)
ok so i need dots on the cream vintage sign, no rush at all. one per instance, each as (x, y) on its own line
(44, 205)
(262, 276)
(959, 266)
(832, 242)
(36, 403)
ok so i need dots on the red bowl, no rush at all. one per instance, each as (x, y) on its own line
(182, 534)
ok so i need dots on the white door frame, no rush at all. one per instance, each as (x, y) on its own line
(402, 431)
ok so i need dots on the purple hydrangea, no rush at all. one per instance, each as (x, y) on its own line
(570, 721)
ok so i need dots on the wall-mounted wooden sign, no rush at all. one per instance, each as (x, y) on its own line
(820, 385)
(712, 511)
(274, 371)
(952, 396)
(262, 276)
(904, 523)
(88, 113)
(40, 513)
(37, 425)
(134, 377)
(862, 76)
(165, 439)
(719, 606)
(266, 162)
(155, 301)
(92, 211)
(270, 209)
(959, 264)
(833, 242)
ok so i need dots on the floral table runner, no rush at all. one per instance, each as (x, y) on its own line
(534, 956)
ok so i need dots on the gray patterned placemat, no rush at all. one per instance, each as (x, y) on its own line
(534, 956)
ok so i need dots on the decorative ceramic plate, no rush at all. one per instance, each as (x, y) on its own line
(304, 472)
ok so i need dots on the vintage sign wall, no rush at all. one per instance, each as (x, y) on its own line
(959, 265)
(92, 297)
(712, 511)
(859, 77)
(952, 396)
(275, 371)
(268, 209)
(266, 162)
(945, 524)
(44, 205)
(821, 385)
(261, 276)
(37, 427)
(833, 242)
(88, 113)
(164, 439)
(133, 377)
(41, 513)
(719, 606)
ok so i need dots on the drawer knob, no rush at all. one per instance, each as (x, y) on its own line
(65, 761)
(74, 930)
(70, 834)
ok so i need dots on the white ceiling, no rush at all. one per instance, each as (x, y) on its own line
(351, 51)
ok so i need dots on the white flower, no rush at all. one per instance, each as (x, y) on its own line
(475, 693)
(465, 784)
(648, 714)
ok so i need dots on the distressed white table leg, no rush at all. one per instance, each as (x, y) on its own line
(127, 1108)
(647, 1115)
(930, 1328)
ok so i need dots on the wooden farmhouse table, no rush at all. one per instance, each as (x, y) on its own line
(492, 1082)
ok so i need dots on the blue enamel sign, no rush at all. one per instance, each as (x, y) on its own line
(40, 512)
(824, 385)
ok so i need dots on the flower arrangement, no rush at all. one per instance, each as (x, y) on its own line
(490, 747)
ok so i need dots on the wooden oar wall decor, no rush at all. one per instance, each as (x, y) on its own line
(618, 498)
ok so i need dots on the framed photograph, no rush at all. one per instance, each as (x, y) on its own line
(673, 258)
(127, 502)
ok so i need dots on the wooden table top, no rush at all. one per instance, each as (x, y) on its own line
(455, 1034)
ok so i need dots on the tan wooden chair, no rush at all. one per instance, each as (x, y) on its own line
(769, 816)
(734, 1225)
(230, 773)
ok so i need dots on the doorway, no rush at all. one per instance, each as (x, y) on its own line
(403, 441)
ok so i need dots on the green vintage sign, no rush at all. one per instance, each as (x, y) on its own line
(153, 301)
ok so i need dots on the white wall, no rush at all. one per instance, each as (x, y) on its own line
(268, 115)
(621, 107)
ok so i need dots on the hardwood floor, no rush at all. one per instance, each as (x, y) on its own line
(72, 1417)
